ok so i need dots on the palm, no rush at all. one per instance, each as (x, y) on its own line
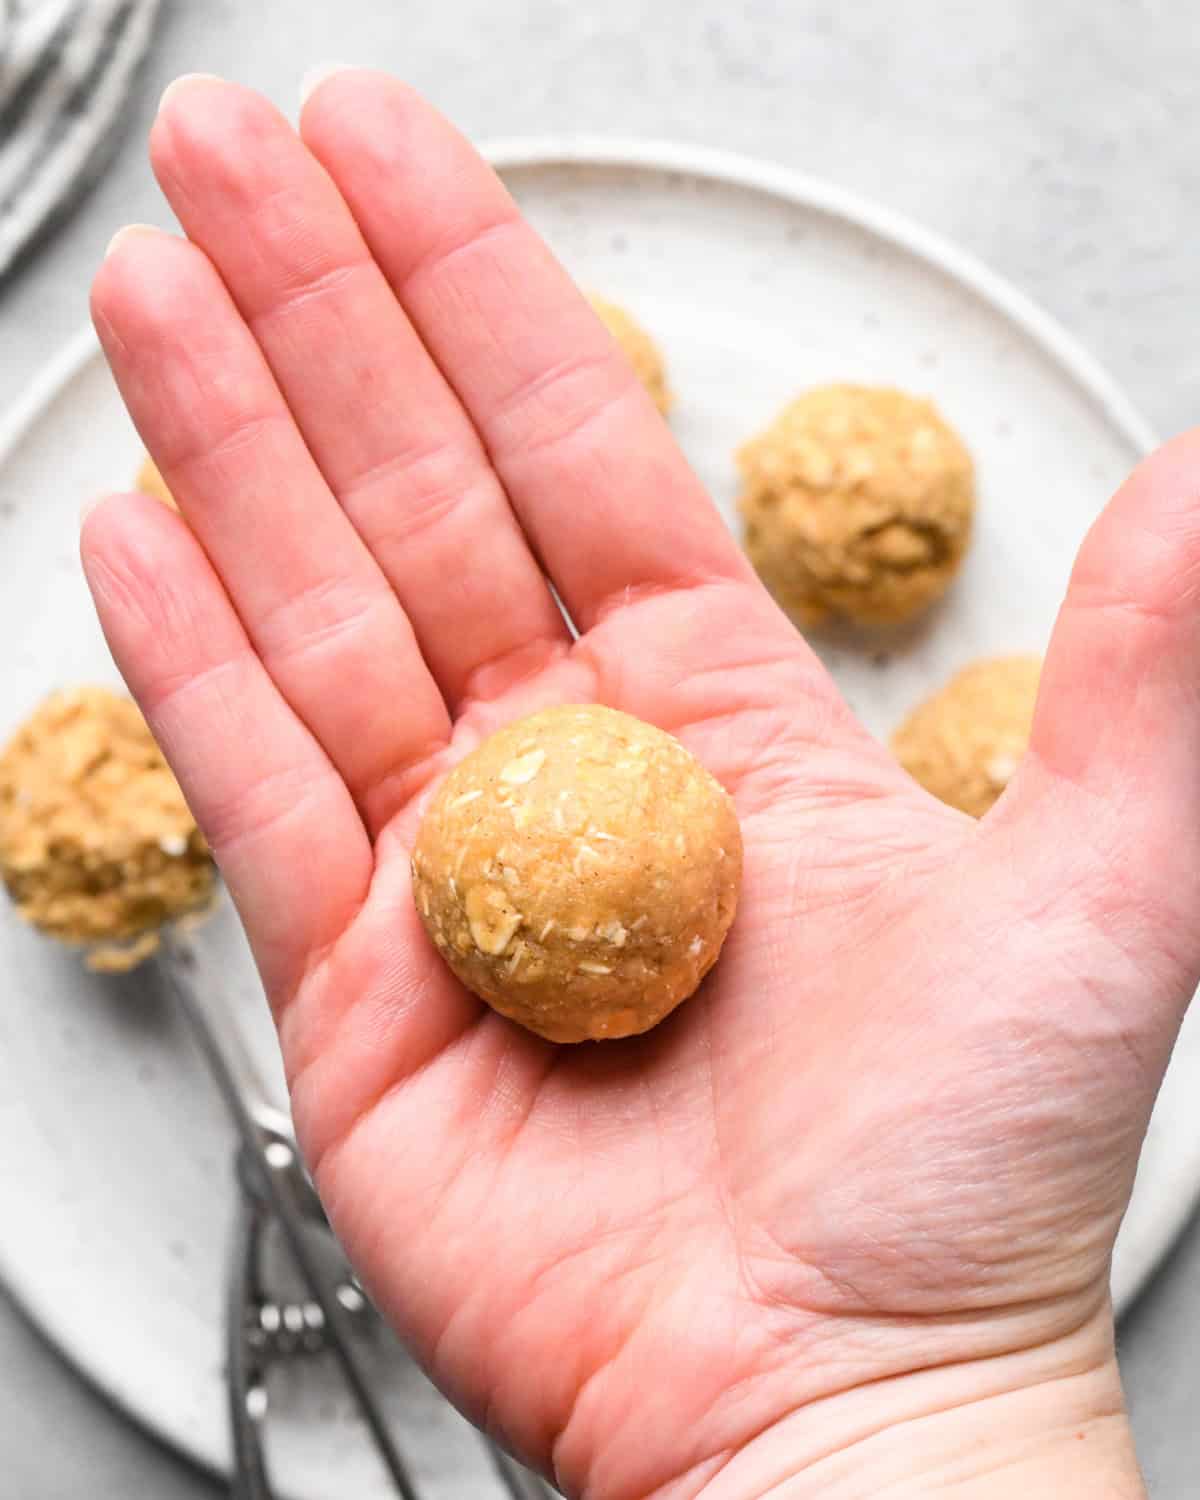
(859, 1143)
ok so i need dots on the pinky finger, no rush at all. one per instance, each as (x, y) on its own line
(282, 825)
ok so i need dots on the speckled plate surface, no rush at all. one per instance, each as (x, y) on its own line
(113, 1148)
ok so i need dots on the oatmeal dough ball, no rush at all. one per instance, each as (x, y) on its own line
(639, 349)
(97, 846)
(150, 482)
(579, 872)
(965, 743)
(857, 501)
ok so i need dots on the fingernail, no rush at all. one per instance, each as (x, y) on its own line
(182, 81)
(317, 74)
(128, 232)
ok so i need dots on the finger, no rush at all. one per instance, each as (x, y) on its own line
(280, 820)
(389, 435)
(329, 630)
(591, 469)
(1110, 793)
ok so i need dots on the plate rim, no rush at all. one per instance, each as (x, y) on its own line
(521, 152)
(730, 169)
(733, 168)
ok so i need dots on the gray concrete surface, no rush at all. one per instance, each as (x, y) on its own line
(1054, 138)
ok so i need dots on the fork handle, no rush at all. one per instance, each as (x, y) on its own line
(245, 1376)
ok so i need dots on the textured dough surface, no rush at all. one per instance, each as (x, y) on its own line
(97, 846)
(856, 501)
(150, 482)
(579, 872)
(965, 743)
(638, 348)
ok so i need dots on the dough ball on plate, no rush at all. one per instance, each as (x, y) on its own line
(97, 846)
(579, 872)
(857, 501)
(150, 482)
(638, 348)
(965, 743)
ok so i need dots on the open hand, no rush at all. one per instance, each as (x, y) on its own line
(872, 1173)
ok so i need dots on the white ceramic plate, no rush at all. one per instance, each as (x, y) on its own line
(114, 1152)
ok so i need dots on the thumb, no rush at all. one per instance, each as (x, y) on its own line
(1106, 808)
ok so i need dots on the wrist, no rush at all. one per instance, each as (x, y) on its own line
(1044, 1424)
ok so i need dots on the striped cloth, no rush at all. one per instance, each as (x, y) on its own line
(65, 71)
